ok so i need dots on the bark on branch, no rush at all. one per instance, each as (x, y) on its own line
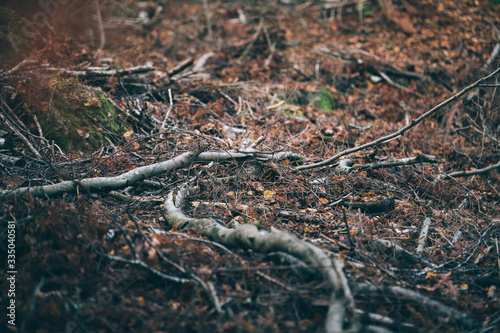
(249, 237)
(248, 153)
(347, 165)
(105, 184)
(93, 72)
(97, 72)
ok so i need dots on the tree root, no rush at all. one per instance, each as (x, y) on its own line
(249, 237)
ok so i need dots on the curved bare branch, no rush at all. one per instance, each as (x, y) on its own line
(249, 237)
(402, 130)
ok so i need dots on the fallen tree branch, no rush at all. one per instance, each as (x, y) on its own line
(494, 54)
(435, 307)
(225, 249)
(248, 236)
(347, 165)
(24, 63)
(402, 130)
(105, 184)
(200, 63)
(181, 66)
(472, 172)
(97, 72)
(405, 254)
(423, 235)
(397, 85)
(163, 125)
(375, 317)
(247, 153)
(496, 48)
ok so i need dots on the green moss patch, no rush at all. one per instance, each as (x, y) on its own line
(326, 101)
(78, 117)
(321, 99)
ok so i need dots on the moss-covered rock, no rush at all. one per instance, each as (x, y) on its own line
(76, 116)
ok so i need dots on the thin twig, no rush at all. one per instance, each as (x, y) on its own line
(252, 40)
(159, 253)
(168, 112)
(257, 142)
(401, 131)
(23, 63)
(143, 265)
(397, 85)
(273, 280)
(100, 27)
(229, 98)
(207, 286)
(498, 256)
(213, 295)
(22, 137)
(200, 63)
(128, 240)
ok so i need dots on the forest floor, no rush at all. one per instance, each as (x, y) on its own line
(310, 82)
